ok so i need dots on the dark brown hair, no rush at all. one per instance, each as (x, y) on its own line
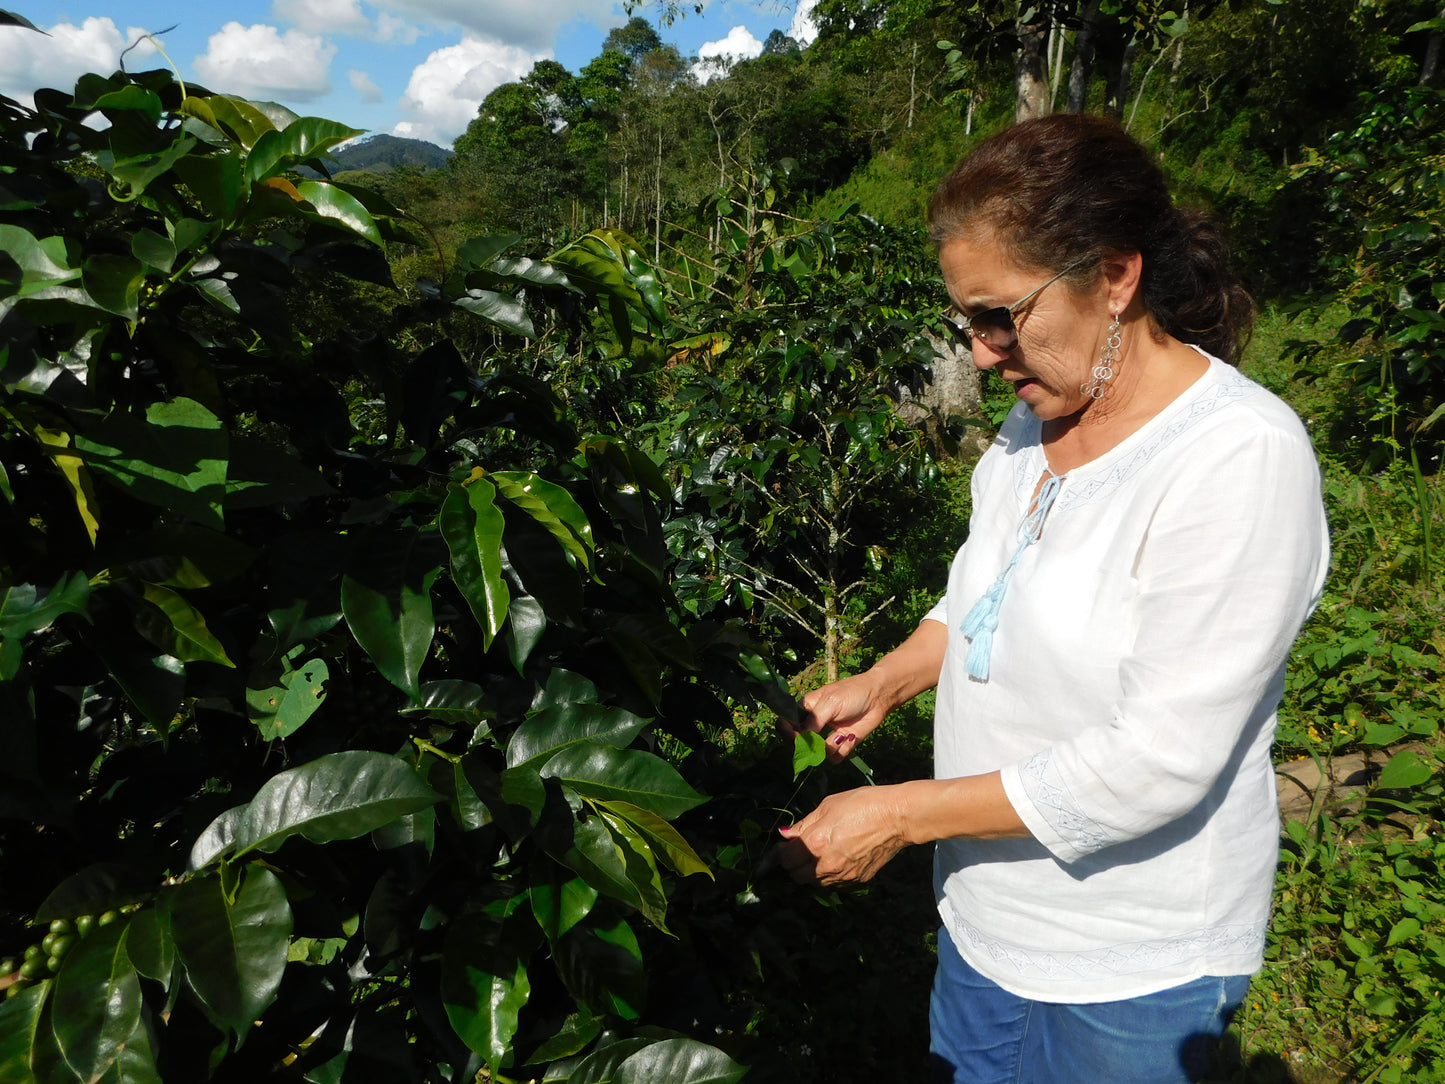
(1069, 187)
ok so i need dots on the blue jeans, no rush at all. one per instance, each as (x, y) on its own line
(982, 1034)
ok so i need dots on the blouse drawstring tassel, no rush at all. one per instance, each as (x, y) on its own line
(982, 619)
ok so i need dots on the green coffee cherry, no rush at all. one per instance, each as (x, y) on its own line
(52, 964)
(60, 925)
(33, 968)
(32, 951)
(84, 924)
(107, 918)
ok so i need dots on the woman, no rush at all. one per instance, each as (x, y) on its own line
(1147, 538)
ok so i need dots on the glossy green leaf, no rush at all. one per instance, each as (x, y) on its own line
(526, 622)
(150, 945)
(528, 270)
(505, 311)
(25, 609)
(551, 506)
(485, 982)
(176, 458)
(1405, 769)
(809, 750)
(178, 628)
(234, 116)
(133, 174)
(603, 968)
(624, 775)
(664, 838)
(216, 180)
(41, 263)
(600, 1066)
(555, 727)
(471, 809)
(233, 950)
(472, 525)
(341, 207)
(279, 150)
(641, 868)
(154, 250)
(59, 444)
(12, 658)
(96, 1002)
(524, 787)
(114, 283)
(337, 796)
(558, 902)
(155, 684)
(135, 1062)
(102, 886)
(217, 293)
(576, 1032)
(10, 18)
(282, 709)
(597, 855)
(386, 597)
(679, 1061)
(20, 1018)
(450, 700)
(481, 251)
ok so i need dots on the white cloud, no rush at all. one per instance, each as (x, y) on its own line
(389, 28)
(445, 89)
(29, 61)
(714, 58)
(803, 30)
(261, 62)
(530, 24)
(364, 85)
(323, 16)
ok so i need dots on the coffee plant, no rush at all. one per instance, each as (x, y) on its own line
(348, 710)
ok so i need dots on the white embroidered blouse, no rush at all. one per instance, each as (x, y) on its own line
(1130, 704)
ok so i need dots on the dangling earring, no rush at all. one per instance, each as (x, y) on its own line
(1098, 384)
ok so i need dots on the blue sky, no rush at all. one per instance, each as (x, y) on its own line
(409, 67)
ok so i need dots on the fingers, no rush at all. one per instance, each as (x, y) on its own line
(840, 743)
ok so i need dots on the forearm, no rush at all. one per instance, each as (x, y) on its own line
(973, 806)
(853, 834)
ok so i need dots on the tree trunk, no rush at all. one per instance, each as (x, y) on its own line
(1032, 98)
(657, 210)
(1430, 66)
(912, 85)
(1056, 62)
(1082, 69)
(1121, 88)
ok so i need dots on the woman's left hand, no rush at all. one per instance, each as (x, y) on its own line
(848, 838)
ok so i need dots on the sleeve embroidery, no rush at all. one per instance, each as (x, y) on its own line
(1050, 796)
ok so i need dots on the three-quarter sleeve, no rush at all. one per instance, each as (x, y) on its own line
(1228, 567)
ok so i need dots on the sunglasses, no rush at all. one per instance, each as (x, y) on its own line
(996, 326)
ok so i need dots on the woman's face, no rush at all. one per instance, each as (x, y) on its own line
(1060, 330)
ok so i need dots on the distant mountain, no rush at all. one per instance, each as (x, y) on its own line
(381, 153)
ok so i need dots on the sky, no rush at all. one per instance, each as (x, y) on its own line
(416, 68)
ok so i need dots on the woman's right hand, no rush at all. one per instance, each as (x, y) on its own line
(848, 710)
(845, 711)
